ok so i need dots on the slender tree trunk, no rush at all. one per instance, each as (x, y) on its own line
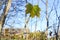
(31, 25)
(5, 11)
(47, 16)
(4, 14)
(56, 37)
(57, 32)
(36, 24)
(58, 24)
(47, 12)
(25, 17)
(2, 21)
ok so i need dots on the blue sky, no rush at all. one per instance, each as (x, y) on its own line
(16, 18)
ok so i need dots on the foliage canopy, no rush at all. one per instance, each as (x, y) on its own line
(33, 10)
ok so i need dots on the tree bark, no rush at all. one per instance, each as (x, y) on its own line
(4, 14)
(47, 16)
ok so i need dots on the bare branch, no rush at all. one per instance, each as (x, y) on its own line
(43, 2)
(51, 9)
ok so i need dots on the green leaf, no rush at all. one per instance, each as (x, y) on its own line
(33, 10)
(36, 10)
(32, 14)
(29, 8)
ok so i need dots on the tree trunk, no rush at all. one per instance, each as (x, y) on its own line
(36, 24)
(2, 23)
(4, 14)
(47, 16)
(56, 37)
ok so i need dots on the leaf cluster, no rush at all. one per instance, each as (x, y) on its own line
(33, 10)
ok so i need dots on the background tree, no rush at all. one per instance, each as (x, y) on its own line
(33, 11)
(4, 14)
